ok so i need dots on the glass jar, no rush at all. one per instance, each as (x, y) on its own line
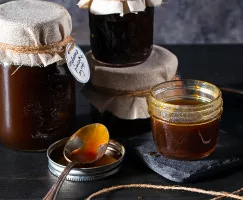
(122, 40)
(38, 105)
(120, 127)
(185, 118)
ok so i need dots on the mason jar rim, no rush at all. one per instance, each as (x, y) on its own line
(184, 106)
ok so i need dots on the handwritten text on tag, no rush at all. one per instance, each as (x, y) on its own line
(77, 63)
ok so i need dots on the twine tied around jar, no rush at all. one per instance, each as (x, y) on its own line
(124, 93)
(57, 47)
(218, 195)
(114, 92)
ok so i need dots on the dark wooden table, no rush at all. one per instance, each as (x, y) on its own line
(26, 176)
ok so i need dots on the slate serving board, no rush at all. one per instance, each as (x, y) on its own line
(227, 155)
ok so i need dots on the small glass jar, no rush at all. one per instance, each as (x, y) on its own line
(120, 127)
(185, 118)
(38, 105)
(122, 40)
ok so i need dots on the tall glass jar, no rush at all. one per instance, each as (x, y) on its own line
(120, 127)
(185, 118)
(122, 40)
(37, 92)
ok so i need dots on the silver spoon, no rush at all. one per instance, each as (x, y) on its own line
(86, 146)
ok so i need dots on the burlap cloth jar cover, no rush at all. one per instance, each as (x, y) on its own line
(45, 23)
(105, 7)
(123, 91)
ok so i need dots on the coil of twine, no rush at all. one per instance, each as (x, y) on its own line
(218, 195)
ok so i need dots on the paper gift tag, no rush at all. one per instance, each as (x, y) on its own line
(77, 63)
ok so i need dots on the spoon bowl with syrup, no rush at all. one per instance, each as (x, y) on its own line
(86, 146)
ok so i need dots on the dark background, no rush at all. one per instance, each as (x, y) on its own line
(180, 21)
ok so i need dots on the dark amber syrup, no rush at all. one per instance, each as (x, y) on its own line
(185, 141)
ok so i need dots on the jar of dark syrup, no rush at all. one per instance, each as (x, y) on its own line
(37, 90)
(120, 127)
(122, 40)
(185, 118)
(39, 106)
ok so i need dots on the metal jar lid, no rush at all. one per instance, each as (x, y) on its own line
(56, 166)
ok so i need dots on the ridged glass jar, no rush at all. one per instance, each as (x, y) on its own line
(185, 117)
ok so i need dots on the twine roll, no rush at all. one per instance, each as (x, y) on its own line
(161, 187)
(237, 192)
(57, 47)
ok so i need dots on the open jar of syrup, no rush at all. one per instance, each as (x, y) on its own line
(122, 40)
(185, 118)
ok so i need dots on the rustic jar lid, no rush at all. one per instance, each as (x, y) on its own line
(123, 91)
(57, 163)
(161, 66)
(105, 7)
(32, 23)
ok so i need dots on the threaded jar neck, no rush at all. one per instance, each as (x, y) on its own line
(208, 97)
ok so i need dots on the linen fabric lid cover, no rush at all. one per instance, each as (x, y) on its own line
(161, 66)
(32, 23)
(105, 7)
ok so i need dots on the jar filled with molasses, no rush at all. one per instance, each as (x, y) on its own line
(120, 127)
(118, 95)
(121, 32)
(37, 91)
(185, 118)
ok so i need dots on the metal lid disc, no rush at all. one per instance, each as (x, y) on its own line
(85, 174)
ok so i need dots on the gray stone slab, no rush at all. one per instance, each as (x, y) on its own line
(227, 155)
